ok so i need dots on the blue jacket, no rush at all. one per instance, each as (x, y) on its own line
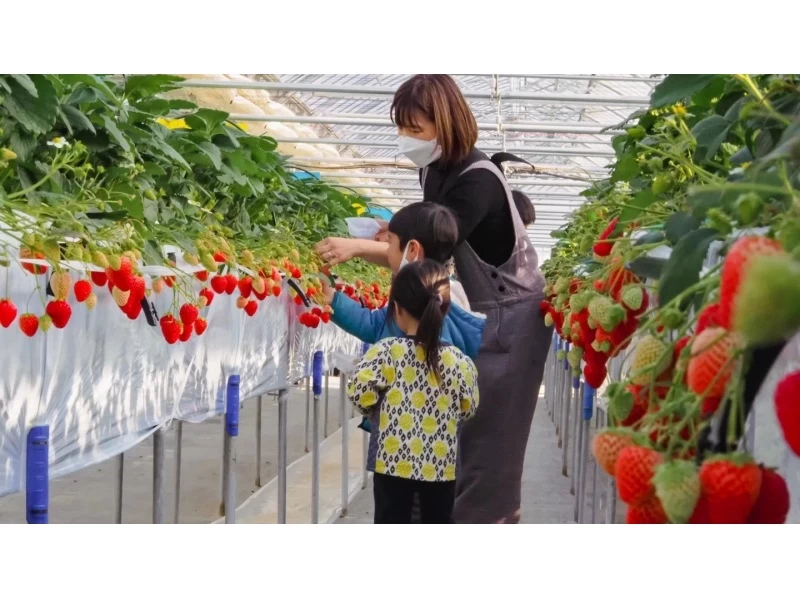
(462, 329)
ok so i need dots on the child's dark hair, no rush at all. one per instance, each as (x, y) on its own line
(524, 207)
(423, 290)
(432, 225)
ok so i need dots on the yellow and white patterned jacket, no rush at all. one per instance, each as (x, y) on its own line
(418, 416)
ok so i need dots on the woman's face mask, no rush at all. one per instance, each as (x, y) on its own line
(422, 153)
(404, 261)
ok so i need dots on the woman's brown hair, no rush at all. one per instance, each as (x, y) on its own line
(438, 98)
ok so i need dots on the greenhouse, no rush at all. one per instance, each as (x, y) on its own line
(250, 298)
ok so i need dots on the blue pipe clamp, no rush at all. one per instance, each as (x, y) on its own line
(232, 406)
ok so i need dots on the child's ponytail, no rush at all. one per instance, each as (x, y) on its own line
(423, 290)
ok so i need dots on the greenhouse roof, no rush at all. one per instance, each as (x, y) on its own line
(562, 124)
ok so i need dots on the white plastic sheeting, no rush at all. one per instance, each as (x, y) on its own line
(104, 383)
(769, 445)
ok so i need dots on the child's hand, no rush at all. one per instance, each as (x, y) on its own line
(327, 291)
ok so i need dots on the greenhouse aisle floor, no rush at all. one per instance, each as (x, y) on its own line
(545, 492)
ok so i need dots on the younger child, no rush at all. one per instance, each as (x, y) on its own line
(421, 389)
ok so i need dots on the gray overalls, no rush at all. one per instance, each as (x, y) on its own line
(510, 366)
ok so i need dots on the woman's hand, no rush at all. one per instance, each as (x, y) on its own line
(383, 234)
(336, 250)
(327, 291)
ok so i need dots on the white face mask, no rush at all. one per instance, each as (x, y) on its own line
(404, 261)
(419, 152)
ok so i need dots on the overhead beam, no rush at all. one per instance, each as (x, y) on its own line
(531, 151)
(530, 181)
(382, 92)
(565, 128)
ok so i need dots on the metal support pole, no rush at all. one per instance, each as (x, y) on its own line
(364, 458)
(158, 475)
(37, 475)
(345, 441)
(576, 450)
(283, 398)
(120, 478)
(178, 458)
(259, 411)
(568, 400)
(565, 396)
(327, 392)
(588, 403)
(556, 383)
(317, 373)
(231, 432)
(308, 411)
(611, 500)
(595, 498)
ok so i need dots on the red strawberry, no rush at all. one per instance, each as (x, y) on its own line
(634, 472)
(200, 326)
(246, 286)
(26, 253)
(123, 276)
(276, 290)
(209, 296)
(201, 275)
(168, 280)
(649, 513)
(138, 289)
(251, 308)
(606, 447)
(595, 374)
(313, 321)
(219, 284)
(298, 300)
(603, 247)
(700, 515)
(296, 273)
(133, 309)
(82, 290)
(787, 409)
(189, 314)
(99, 278)
(712, 364)
(29, 324)
(709, 317)
(734, 267)
(220, 257)
(230, 283)
(731, 485)
(772, 505)
(60, 312)
(170, 329)
(186, 332)
(8, 312)
(326, 317)
(276, 275)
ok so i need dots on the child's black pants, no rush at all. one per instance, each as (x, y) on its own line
(394, 498)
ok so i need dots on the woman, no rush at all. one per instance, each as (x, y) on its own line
(498, 268)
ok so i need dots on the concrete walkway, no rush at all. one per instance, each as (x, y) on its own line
(545, 491)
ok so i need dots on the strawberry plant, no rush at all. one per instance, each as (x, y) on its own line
(109, 173)
(690, 252)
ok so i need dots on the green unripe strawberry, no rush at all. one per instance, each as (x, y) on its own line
(7, 155)
(748, 207)
(650, 359)
(548, 319)
(661, 184)
(719, 221)
(606, 313)
(636, 133)
(767, 305)
(574, 356)
(677, 486)
(632, 296)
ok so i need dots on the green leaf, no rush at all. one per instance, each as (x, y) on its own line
(618, 143)
(789, 143)
(115, 215)
(765, 141)
(23, 145)
(680, 224)
(206, 120)
(742, 156)
(134, 206)
(702, 200)
(94, 82)
(115, 133)
(170, 152)
(145, 86)
(25, 82)
(77, 119)
(152, 253)
(683, 268)
(633, 209)
(37, 113)
(625, 169)
(655, 236)
(710, 133)
(647, 267)
(213, 153)
(150, 210)
(677, 87)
